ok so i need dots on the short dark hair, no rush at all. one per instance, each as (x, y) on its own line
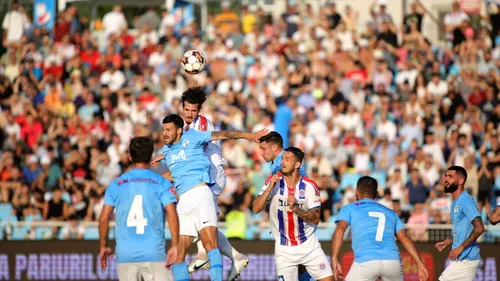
(176, 119)
(367, 186)
(460, 171)
(194, 95)
(273, 137)
(141, 149)
(299, 155)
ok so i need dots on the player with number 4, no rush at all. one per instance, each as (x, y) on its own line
(142, 200)
(373, 231)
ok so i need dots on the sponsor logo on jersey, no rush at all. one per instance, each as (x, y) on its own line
(180, 156)
(302, 194)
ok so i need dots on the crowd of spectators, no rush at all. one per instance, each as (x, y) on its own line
(382, 100)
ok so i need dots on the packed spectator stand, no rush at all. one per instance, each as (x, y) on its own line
(383, 101)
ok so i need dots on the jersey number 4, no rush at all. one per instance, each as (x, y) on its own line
(381, 225)
(135, 217)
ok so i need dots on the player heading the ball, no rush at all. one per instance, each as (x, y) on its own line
(189, 166)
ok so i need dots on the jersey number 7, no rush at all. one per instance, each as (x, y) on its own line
(381, 225)
(135, 217)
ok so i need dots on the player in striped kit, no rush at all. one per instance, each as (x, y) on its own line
(294, 215)
(192, 102)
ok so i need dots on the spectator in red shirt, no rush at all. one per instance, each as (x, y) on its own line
(31, 130)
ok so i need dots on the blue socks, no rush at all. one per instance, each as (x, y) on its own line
(215, 265)
(180, 271)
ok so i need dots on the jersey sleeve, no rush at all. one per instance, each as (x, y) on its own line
(344, 215)
(312, 196)
(167, 195)
(470, 208)
(399, 225)
(110, 195)
(266, 186)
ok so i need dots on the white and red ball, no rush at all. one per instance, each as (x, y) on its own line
(193, 62)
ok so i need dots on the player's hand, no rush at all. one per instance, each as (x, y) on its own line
(441, 245)
(337, 270)
(157, 159)
(105, 254)
(171, 256)
(274, 179)
(423, 275)
(455, 253)
(291, 201)
(259, 134)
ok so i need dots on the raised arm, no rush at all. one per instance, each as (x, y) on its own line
(494, 216)
(260, 202)
(410, 247)
(224, 135)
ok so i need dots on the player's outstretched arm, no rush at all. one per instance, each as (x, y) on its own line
(443, 244)
(337, 239)
(494, 216)
(173, 225)
(158, 158)
(477, 222)
(224, 135)
(105, 251)
(260, 202)
(410, 247)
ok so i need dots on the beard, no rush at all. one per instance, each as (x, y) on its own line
(452, 187)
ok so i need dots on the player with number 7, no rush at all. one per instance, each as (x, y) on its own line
(373, 231)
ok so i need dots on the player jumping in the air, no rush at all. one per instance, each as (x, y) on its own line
(189, 166)
(467, 227)
(294, 215)
(373, 227)
(192, 102)
(141, 198)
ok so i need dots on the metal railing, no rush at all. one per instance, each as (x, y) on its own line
(419, 233)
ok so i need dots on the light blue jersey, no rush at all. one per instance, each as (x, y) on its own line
(140, 197)
(463, 211)
(187, 161)
(373, 230)
(276, 165)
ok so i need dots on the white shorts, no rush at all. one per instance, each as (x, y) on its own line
(149, 271)
(315, 262)
(460, 270)
(387, 270)
(196, 211)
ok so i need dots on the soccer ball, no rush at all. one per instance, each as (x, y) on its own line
(193, 62)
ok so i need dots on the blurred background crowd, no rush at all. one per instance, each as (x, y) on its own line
(383, 101)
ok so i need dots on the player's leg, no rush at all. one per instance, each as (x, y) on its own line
(460, 270)
(318, 265)
(286, 268)
(392, 270)
(366, 271)
(187, 230)
(207, 224)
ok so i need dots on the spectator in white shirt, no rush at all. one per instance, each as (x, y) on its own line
(114, 21)
(14, 24)
(437, 87)
(123, 127)
(429, 170)
(113, 77)
(434, 148)
(454, 19)
(74, 230)
(408, 73)
(386, 127)
(106, 171)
